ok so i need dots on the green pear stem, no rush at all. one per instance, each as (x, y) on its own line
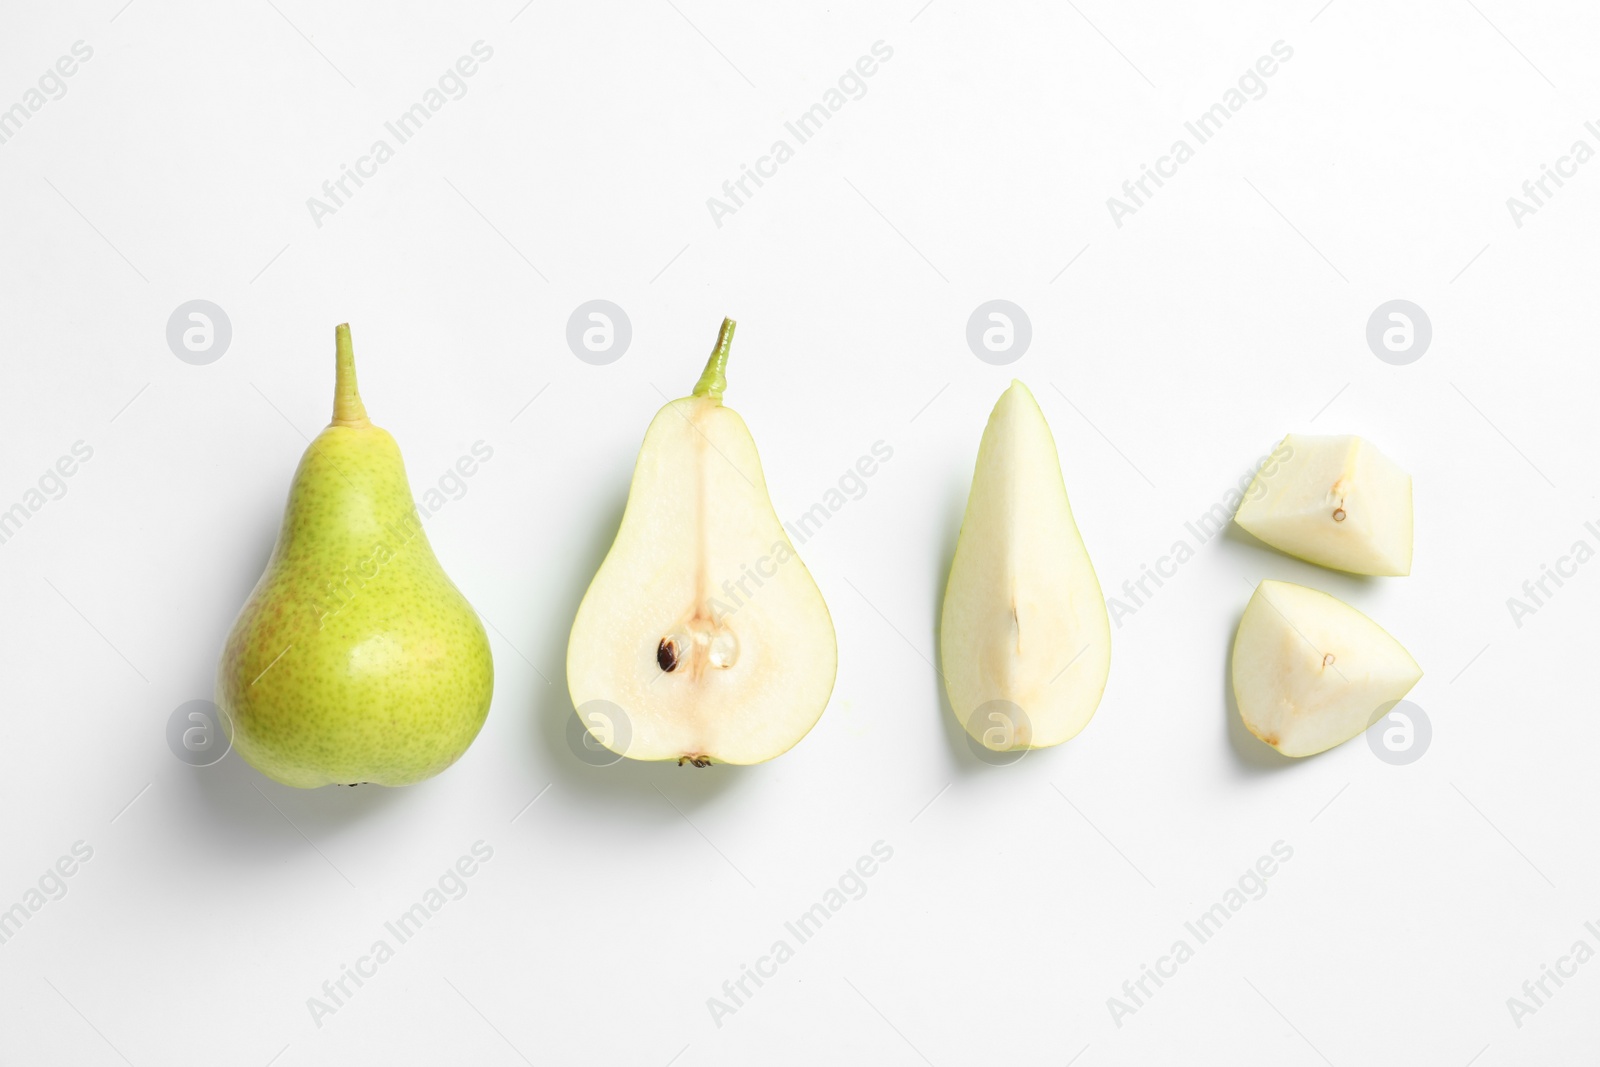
(714, 379)
(347, 407)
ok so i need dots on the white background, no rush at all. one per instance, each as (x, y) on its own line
(1168, 356)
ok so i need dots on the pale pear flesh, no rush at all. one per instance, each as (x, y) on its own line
(1024, 634)
(702, 629)
(1334, 501)
(1310, 672)
(355, 659)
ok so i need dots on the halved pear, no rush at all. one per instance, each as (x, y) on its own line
(702, 637)
(1311, 672)
(1334, 501)
(1024, 637)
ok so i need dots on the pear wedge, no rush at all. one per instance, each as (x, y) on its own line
(702, 638)
(1024, 637)
(355, 659)
(1334, 501)
(1311, 672)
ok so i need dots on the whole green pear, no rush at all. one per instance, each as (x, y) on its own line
(355, 659)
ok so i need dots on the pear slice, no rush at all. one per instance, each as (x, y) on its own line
(702, 637)
(1334, 501)
(1311, 672)
(1024, 637)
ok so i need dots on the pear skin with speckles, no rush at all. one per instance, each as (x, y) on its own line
(356, 659)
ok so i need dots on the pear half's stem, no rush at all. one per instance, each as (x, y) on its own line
(347, 407)
(713, 380)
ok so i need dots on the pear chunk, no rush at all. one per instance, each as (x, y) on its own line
(1334, 501)
(1024, 637)
(702, 637)
(1311, 672)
